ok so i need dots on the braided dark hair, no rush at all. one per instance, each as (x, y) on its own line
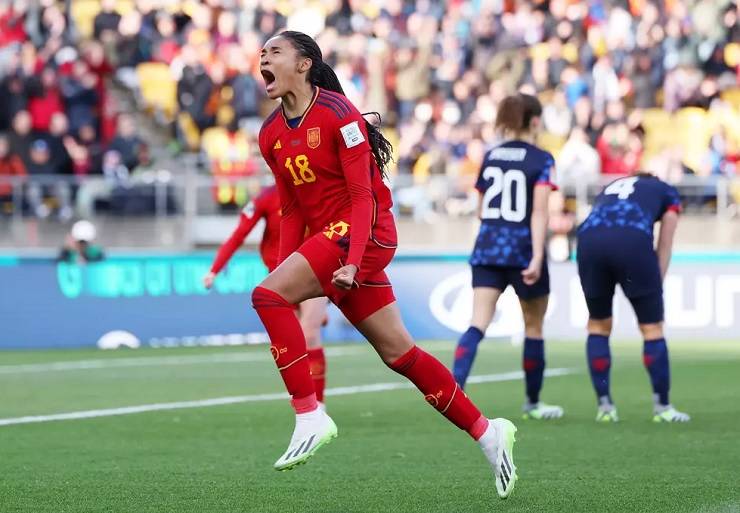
(322, 75)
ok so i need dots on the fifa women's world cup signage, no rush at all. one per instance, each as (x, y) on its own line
(159, 301)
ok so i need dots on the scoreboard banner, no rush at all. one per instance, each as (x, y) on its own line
(159, 301)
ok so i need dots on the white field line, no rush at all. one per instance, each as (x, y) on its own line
(220, 401)
(153, 361)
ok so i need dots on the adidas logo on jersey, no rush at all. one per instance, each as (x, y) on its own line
(277, 145)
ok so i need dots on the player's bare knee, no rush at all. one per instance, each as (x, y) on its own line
(390, 352)
(600, 326)
(652, 331)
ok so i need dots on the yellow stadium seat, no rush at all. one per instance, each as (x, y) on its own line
(214, 141)
(732, 96)
(83, 13)
(551, 142)
(693, 130)
(157, 87)
(659, 133)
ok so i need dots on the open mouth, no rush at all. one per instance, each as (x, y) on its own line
(268, 77)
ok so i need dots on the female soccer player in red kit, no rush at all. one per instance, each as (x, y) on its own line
(312, 312)
(328, 164)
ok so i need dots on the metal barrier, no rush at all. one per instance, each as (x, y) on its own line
(186, 198)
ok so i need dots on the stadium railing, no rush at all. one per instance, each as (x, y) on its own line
(190, 198)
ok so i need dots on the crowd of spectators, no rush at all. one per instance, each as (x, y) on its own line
(626, 84)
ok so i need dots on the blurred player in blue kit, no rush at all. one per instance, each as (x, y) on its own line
(515, 185)
(615, 246)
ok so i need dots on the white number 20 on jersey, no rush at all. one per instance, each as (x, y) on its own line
(512, 186)
(622, 187)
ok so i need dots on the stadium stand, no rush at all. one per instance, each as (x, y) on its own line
(640, 84)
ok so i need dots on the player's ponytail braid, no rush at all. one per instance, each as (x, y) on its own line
(322, 75)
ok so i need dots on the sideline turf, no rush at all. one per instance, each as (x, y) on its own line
(393, 454)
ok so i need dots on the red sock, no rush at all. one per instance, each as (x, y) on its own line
(317, 364)
(435, 381)
(288, 346)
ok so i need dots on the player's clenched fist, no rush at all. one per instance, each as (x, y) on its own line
(344, 277)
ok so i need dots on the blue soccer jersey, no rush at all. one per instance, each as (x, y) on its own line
(635, 202)
(507, 180)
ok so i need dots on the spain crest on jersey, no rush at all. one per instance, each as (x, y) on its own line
(313, 137)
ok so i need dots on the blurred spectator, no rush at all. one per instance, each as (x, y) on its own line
(556, 115)
(41, 165)
(620, 150)
(79, 245)
(44, 100)
(10, 166)
(20, 136)
(80, 96)
(435, 70)
(578, 161)
(58, 130)
(126, 142)
(106, 22)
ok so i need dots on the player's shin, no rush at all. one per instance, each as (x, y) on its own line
(288, 347)
(317, 364)
(465, 352)
(599, 365)
(440, 390)
(655, 358)
(533, 361)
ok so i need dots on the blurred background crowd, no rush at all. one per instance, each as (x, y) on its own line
(116, 94)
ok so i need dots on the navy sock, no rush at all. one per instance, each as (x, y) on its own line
(599, 364)
(467, 346)
(534, 367)
(655, 357)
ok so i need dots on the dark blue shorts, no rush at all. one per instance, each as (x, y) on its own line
(607, 257)
(498, 277)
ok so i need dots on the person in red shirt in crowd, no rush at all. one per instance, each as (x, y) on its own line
(12, 25)
(620, 150)
(45, 100)
(11, 166)
(329, 164)
(312, 311)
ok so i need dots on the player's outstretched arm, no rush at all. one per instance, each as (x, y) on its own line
(247, 221)
(538, 226)
(668, 225)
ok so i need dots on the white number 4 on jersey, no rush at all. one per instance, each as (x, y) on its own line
(622, 187)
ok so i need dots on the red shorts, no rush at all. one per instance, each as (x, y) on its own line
(374, 290)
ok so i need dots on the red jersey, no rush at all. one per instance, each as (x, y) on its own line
(267, 206)
(327, 177)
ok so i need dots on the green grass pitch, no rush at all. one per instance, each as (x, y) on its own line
(394, 453)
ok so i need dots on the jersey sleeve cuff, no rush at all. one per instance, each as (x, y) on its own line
(548, 183)
(675, 208)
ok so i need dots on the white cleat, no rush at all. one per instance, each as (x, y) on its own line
(542, 411)
(669, 414)
(498, 446)
(312, 431)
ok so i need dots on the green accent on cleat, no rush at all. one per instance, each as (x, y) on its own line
(289, 461)
(607, 415)
(670, 414)
(542, 411)
(507, 477)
